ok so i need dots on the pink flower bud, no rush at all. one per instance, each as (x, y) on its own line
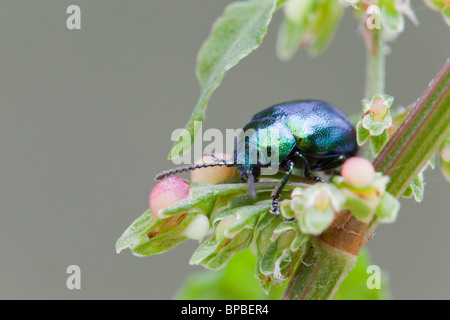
(378, 109)
(213, 175)
(167, 192)
(358, 171)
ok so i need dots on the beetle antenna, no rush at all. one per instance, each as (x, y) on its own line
(192, 167)
(251, 184)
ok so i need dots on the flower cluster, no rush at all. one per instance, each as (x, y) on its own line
(314, 208)
(311, 24)
(232, 221)
(360, 190)
(375, 122)
(376, 125)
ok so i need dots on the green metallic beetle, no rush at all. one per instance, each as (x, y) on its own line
(312, 134)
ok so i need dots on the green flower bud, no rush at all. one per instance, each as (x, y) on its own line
(375, 122)
(198, 228)
(366, 201)
(392, 20)
(308, 23)
(286, 211)
(278, 246)
(376, 117)
(233, 231)
(315, 209)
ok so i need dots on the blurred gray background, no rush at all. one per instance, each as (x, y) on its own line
(86, 119)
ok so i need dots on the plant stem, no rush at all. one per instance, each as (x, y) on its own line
(375, 62)
(410, 147)
(329, 259)
(419, 135)
(332, 255)
(320, 272)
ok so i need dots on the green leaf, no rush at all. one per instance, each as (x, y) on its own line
(362, 134)
(293, 27)
(224, 250)
(289, 37)
(313, 221)
(286, 210)
(378, 142)
(262, 241)
(233, 233)
(242, 217)
(392, 19)
(376, 127)
(354, 287)
(235, 34)
(310, 23)
(432, 162)
(141, 226)
(325, 25)
(408, 192)
(164, 240)
(277, 263)
(234, 282)
(387, 209)
(359, 208)
(202, 198)
(263, 233)
(417, 187)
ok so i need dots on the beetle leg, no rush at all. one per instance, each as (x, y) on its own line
(277, 191)
(334, 163)
(307, 169)
(339, 161)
